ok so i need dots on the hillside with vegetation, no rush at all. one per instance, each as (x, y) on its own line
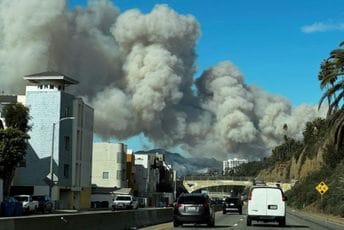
(187, 166)
(319, 157)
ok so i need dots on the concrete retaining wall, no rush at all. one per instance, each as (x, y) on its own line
(94, 221)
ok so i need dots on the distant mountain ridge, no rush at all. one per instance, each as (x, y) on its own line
(187, 166)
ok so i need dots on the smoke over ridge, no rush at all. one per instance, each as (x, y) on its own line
(137, 70)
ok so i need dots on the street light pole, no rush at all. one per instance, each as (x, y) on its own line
(51, 184)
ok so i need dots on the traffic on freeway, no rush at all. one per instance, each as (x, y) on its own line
(294, 220)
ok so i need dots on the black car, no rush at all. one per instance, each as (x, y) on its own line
(194, 208)
(44, 203)
(232, 204)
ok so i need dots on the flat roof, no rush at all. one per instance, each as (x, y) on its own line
(50, 76)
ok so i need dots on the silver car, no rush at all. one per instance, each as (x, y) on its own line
(124, 202)
(194, 208)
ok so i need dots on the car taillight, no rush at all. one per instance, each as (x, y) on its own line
(178, 205)
(283, 197)
(250, 196)
(206, 205)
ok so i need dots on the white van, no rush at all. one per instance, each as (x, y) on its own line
(266, 204)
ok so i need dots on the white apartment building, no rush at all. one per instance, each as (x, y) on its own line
(60, 144)
(232, 163)
(109, 165)
(146, 177)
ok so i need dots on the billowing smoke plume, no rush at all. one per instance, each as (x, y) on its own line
(137, 71)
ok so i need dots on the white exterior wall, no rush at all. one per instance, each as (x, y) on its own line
(225, 165)
(48, 104)
(44, 109)
(146, 177)
(110, 158)
(21, 99)
(232, 163)
(141, 175)
(82, 145)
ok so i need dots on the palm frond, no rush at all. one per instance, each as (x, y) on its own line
(337, 53)
(335, 103)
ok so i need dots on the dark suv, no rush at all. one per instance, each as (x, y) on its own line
(232, 204)
(194, 208)
(44, 203)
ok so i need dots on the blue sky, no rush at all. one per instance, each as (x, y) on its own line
(277, 45)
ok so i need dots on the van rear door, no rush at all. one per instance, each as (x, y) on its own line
(275, 203)
(257, 202)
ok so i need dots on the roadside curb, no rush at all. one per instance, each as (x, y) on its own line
(326, 217)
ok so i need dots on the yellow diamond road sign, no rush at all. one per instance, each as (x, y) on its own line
(321, 187)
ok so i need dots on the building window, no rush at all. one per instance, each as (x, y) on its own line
(119, 158)
(65, 170)
(51, 86)
(66, 112)
(119, 174)
(67, 143)
(105, 175)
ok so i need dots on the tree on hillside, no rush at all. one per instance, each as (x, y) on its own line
(13, 142)
(331, 80)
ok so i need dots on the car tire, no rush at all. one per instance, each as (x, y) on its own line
(240, 212)
(248, 221)
(223, 212)
(176, 224)
(211, 223)
(281, 222)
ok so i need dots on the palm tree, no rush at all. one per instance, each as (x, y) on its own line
(331, 78)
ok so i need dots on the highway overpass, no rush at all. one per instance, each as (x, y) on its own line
(195, 183)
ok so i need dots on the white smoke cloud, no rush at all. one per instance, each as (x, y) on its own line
(137, 71)
(323, 27)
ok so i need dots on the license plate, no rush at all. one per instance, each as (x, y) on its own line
(273, 207)
(192, 209)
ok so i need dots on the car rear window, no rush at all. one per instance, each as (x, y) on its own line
(21, 198)
(191, 200)
(39, 198)
(269, 191)
(232, 200)
(123, 198)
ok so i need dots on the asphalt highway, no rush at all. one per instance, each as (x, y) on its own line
(294, 220)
